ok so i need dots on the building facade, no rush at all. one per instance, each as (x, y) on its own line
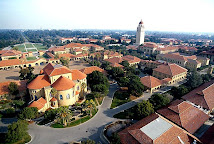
(67, 84)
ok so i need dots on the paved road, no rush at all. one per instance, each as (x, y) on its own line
(91, 129)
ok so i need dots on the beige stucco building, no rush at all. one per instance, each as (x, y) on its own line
(67, 83)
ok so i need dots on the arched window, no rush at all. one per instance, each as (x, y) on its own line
(68, 96)
(60, 97)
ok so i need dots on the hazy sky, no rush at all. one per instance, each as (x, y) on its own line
(161, 15)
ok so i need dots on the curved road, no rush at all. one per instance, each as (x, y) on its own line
(90, 129)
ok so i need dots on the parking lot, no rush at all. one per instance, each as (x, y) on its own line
(13, 74)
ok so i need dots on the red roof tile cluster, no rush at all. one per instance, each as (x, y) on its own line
(4, 86)
(63, 83)
(170, 69)
(116, 65)
(9, 53)
(150, 45)
(51, 70)
(208, 136)
(78, 75)
(150, 81)
(133, 134)
(202, 96)
(39, 82)
(89, 70)
(184, 115)
(40, 103)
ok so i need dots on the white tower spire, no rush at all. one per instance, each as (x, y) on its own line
(140, 33)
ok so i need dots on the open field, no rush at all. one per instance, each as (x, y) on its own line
(21, 48)
(31, 58)
(29, 45)
(40, 47)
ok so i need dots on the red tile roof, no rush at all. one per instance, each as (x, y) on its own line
(133, 134)
(51, 70)
(116, 65)
(78, 75)
(53, 99)
(170, 69)
(89, 70)
(39, 82)
(10, 52)
(63, 83)
(40, 103)
(4, 86)
(184, 115)
(203, 95)
(150, 81)
(208, 136)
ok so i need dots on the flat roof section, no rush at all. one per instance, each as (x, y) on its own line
(156, 128)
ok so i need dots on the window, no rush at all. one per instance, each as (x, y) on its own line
(60, 97)
(68, 96)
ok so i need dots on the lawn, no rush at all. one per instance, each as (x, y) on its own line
(31, 58)
(40, 47)
(32, 50)
(21, 48)
(29, 45)
(120, 97)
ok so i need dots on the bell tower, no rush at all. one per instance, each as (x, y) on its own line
(140, 34)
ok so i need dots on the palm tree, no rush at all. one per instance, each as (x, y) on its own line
(90, 104)
(83, 86)
(64, 115)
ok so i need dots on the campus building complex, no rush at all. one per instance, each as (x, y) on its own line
(67, 83)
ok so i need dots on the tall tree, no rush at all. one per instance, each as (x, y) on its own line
(144, 109)
(13, 88)
(159, 100)
(17, 131)
(194, 79)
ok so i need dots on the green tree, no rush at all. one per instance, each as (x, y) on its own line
(144, 109)
(17, 131)
(13, 88)
(117, 72)
(159, 100)
(99, 79)
(178, 92)
(91, 105)
(123, 81)
(135, 87)
(194, 79)
(64, 115)
(54, 92)
(64, 61)
(125, 63)
(28, 113)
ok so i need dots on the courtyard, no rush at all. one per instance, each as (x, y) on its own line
(13, 74)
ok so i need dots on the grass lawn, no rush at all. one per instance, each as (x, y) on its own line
(29, 45)
(21, 48)
(40, 47)
(120, 97)
(31, 58)
(32, 50)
